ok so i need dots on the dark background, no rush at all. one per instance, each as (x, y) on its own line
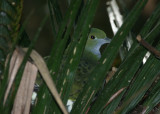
(101, 20)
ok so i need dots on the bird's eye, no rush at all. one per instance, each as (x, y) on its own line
(92, 37)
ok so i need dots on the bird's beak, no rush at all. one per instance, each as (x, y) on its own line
(107, 40)
(102, 41)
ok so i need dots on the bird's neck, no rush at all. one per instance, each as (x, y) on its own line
(92, 53)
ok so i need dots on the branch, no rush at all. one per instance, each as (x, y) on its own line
(148, 46)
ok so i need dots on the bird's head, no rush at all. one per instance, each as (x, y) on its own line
(96, 39)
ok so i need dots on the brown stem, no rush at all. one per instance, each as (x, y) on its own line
(148, 46)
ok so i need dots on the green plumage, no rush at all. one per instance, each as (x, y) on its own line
(90, 57)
